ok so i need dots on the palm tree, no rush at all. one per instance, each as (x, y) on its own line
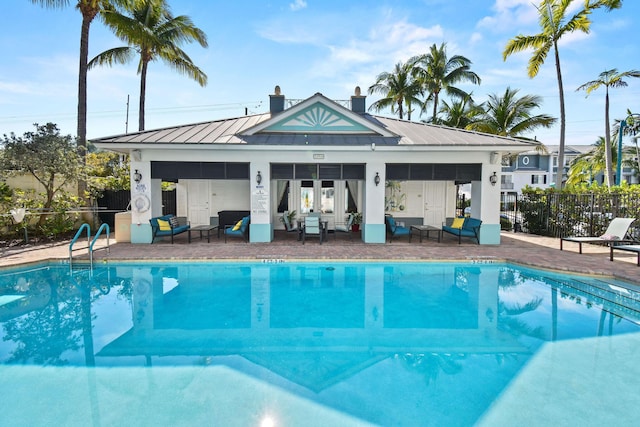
(510, 115)
(152, 32)
(610, 78)
(89, 10)
(588, 165)
(398, 88)
(553, 25)
(460, 113)
(436, 72)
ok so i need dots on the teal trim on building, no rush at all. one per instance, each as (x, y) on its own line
(141, 233)
(318, 118)
(490, 234)
(374, 233)
(260, 233)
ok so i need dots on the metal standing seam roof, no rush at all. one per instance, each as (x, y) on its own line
(230, 131)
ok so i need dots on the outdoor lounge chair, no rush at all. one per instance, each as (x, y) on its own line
(240, 229)
(627, 248)
(396, 230)
(464, 227)
(614, 234)
(166, 225)
(311, 227)
(345, 228)
(286, 220)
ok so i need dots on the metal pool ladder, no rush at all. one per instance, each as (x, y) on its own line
(90, 243)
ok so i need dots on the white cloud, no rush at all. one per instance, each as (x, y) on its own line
(297, 5)
(509, 14)
(475, 38)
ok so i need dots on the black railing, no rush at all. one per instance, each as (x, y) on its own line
(561, 215)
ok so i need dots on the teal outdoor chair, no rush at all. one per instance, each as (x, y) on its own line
(395, 230)
(240, 229)
(311, 228)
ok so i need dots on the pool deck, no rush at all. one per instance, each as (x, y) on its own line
(521, 248)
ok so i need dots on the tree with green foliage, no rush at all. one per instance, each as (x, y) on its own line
(586, 166)
(511, 115)
(52, 159)
(436, 72)
(108, 171)
(552, 18)
(89, 10)
(609, 79)
(152, 33)
(397, 88)
(460, 113)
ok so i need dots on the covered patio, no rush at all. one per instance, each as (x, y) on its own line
(317, 156)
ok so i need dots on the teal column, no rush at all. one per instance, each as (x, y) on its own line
(490, 234)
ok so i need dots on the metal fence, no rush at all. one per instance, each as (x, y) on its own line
(116, 201)
(561, 215)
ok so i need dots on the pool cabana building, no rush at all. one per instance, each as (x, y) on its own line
(317, 155)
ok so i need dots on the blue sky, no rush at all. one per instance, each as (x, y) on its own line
(304, 46)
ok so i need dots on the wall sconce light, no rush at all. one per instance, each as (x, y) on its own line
(258, 178)
(137, 176)
(376, 179)
(493, 179)
(489, 314)
(373, 146)
(495, 156)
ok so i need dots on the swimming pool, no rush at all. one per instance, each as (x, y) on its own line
(319, 343)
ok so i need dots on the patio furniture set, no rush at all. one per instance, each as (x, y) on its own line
(615, 236)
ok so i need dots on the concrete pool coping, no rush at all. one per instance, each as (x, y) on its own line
(520, 248)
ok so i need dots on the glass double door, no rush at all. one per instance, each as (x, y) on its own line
(332, 199)
(317, 196)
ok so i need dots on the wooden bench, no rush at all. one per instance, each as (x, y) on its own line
(174, 227)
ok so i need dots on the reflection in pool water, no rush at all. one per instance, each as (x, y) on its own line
(305, 343)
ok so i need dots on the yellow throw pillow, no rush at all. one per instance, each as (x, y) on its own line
(164, 225)
(457, 223)
(237, 226)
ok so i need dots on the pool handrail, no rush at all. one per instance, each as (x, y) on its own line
(104, 226)
(75, 238)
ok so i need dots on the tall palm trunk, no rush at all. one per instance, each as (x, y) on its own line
(143, 91)
(560, 172)
(607, 138)
(87, 18)
(435, 107)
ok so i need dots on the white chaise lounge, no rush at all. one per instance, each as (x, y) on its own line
(614, 234)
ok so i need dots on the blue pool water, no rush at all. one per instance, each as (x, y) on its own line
(323, 343)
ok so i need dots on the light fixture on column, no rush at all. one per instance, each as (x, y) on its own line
(376, 179)
(258, 178)
(493, 179)
(495, 156)
(137, 176)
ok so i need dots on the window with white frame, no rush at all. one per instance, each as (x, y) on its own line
(538, 179)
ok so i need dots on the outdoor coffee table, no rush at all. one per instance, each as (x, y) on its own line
(424, 230)
(201, 228)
